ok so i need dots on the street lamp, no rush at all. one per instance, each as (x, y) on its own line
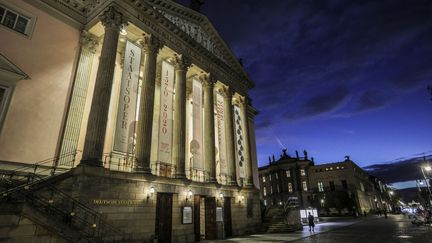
(427, 169)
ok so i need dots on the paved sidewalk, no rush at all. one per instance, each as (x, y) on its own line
(284, 237)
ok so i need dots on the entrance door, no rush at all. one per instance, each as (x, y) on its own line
(197, 222)
(227, 217)
(164, 217)
(210, 218)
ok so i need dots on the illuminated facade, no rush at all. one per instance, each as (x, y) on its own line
(142, 102)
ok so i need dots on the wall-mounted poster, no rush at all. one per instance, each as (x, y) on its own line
(187, 215)
(219, 214)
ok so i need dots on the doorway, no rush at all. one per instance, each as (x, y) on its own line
(210, 218)
(227, 217)
(163, 225)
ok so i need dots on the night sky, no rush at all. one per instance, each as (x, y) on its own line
(335, 77)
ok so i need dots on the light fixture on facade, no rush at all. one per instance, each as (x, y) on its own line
(221, 195)
(123, 31)
(428, 168)
(151, 192)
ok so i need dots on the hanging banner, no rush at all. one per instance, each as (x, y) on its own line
(220, 133)
(196, 145)
(166, 115)
(124, 137)
(239, 142)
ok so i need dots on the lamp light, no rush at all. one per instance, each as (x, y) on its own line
(428, 168)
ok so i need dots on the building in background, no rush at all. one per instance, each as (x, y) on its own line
(332, 188)
(135, 113)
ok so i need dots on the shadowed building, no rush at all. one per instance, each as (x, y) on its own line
(138, 115)
(333, 188)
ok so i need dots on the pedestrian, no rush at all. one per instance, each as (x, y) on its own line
(364, 213)
(385, 213)
(311, 223)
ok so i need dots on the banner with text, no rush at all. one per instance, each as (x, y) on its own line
(239, 142)
(196, 145)
(166, 113)
(124, 137)
(220, 133)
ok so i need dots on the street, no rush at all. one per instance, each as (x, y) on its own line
(396, 228)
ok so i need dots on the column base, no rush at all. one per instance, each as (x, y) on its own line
(211, 180)
(144, 170)
(92, 162)
(180, 176)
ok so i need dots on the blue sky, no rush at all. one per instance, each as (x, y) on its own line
(335, 77)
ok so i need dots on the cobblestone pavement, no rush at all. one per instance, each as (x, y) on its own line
(363, 230)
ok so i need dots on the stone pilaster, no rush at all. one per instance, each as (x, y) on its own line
(72, 130)
(229, 134)
(248, 166)
(113, 21)
(209, 131)
(181, 65)
(151, 46)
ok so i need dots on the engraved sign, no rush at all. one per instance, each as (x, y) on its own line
(239, 142)
(196, 147)
(125, 127)
(220, 133)
(166, 119)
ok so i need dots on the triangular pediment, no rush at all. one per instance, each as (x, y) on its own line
(199, 28)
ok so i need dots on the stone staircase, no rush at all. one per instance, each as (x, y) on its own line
(37, 208)
(275, 222)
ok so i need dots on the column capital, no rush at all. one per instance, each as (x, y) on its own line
(112, 18)
(226, 92)
(182, 62)
(151, 44)
(208, 80)
(89, 41)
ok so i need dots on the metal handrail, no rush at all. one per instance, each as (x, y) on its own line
(67, 209)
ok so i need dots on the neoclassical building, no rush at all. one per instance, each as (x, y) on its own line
(136, 110)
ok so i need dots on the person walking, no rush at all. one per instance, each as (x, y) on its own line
(311, 223)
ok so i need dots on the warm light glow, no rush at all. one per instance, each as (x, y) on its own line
(123, 31)
(221, 195)
(391, 192)
(428, 168)
(190, 193)
(322, 200)
(152, 190)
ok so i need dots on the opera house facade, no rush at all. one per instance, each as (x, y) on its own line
(122, 120)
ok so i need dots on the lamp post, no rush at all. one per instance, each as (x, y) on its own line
(427, 168)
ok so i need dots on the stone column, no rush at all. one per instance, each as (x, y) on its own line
(181, 65)
(113, 21)
(209, 127)
(151, 46)
(72, 129)
(229, 134)
(248, 166)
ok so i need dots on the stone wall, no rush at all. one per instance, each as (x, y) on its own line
(126, 201)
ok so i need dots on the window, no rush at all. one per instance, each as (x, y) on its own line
(332, 186)
(344, 184)
(269, 177)
(264, 191)
(249, 208)
(290, 189)
(263, 179)
(277, 187)
(302, 172)
(304, 186)
(5, 95)
(288, 173)
(16, 19)
(271, 190)
(320, 187)
(265, 202)
(276, 175)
